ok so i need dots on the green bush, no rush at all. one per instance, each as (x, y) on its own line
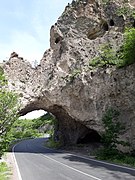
(112, 129)
(124, 56)
(110, 138)
(127, 11)
(75, 73)
(116, 157)
(128, 48)
(27, 128)
(4, 171)
(51, 143)
(23, 128)
(45, 119)
(8, 111)
(106, 57)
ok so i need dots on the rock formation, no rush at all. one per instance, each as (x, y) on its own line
(13, 54)
(65, 85)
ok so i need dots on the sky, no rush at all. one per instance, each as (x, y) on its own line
(33, 114)
(25, 26)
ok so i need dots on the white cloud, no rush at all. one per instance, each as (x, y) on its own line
(26, 45)
(31, 42)
(33, 114)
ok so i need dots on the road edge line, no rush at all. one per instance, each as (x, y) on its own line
(17, 167)
(92, 159)
(74, 169)
(103, 162)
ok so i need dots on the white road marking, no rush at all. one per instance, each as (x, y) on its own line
(102, 162)
(94, 160)
(72, 168)
(98, 161)
(17, 168)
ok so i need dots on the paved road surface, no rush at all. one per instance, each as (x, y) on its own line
(36, 162)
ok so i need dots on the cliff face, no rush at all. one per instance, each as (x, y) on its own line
(65, 84)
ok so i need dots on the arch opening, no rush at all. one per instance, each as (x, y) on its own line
(67, 130)
(34, 124)
(33, 114)
(90, 137)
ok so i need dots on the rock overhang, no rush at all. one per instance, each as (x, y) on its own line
(64, 85)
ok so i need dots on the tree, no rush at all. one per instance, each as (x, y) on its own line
(8, 110)
(113, 129)
(129, 47)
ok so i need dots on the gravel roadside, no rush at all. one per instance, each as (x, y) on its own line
(11, 163)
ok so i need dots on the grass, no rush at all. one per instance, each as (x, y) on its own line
(53, 144)
(116, 158)
(125, 160)
(124, 56)
(4, 171)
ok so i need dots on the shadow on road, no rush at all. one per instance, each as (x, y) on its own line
(112, 169)
(36, 146)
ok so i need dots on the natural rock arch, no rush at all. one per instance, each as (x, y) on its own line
(65, 85)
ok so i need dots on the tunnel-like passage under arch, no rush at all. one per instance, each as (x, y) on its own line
(90, 137)
(67, 129)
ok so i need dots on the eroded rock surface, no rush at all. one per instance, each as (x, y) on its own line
(66, 86)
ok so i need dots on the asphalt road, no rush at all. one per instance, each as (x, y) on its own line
(35, 162)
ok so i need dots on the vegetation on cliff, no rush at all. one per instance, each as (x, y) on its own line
(11, 127)
(110, 140)
(8, 111)
(124, 56)
(128, 48)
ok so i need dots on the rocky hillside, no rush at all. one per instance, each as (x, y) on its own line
(67, 84)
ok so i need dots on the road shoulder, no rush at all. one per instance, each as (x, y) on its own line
(11, 163)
